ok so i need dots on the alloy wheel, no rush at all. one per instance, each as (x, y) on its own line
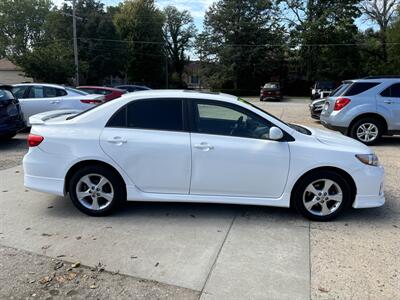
(94, 191)
(322, 197)
(367, 132)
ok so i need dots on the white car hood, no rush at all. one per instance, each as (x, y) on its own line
(338, 140)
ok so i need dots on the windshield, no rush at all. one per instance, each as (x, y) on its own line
(69, 89)
(271, 85)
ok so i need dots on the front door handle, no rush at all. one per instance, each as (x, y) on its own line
(117, 140)
(204, 146)
(388, 101)
(55, 101)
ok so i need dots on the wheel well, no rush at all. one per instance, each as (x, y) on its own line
(86, 163)
(370, 115)
(341, 172)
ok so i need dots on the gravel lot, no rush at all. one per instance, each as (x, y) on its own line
(355, 256)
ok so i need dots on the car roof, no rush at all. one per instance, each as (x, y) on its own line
(373, 79)
(41, 84)
(182, 94)
(99, 88)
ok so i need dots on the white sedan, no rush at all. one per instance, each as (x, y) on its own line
(35, 98)
(182, 146)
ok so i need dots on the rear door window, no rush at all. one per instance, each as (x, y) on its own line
(392, 91)
(36, 92)
(359, 87)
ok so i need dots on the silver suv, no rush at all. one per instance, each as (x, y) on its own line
(364, 109)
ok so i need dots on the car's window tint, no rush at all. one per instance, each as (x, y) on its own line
(158, 114)
(359, 87)
(61, 92)
(392, 91)
(19, 91)
(118, 119)
(339, 90)
(6, 95)
(230, 120)
(49, 92)
(36, 92)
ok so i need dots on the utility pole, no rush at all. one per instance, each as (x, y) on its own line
(75, 43)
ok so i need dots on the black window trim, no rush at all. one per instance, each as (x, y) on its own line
(191, 110)
(125, 106)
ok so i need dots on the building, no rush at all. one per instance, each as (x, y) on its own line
(191, 75)
(10, 73)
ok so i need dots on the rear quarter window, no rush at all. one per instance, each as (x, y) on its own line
(359, 87)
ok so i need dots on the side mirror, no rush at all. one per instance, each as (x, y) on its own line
(275, 134)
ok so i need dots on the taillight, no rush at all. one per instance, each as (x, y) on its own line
(91, 101)
(340, 103)
(34, 140)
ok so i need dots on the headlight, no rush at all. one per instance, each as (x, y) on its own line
(368, 159)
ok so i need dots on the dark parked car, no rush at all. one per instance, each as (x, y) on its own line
(11, 117)
(321, 89)
(316, 108)
(132, 88)
(271, 91)
(109, 93)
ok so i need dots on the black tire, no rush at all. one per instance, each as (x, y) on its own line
(300, 191)
(116, 183)
(356, 126)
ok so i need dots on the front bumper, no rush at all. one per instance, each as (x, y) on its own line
(370, 187)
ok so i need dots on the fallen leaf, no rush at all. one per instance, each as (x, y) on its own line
(51, 206)
(78, 237)
(93, 286)
(27, 228)
(46, 234)
(58, 265)
(134, 257)
(45, 279)
(61, 255)
(322, 289)
(156, 265)
(46, 247)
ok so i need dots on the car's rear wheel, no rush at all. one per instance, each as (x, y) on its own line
(322, 196)
(96, 190)
(368, 131)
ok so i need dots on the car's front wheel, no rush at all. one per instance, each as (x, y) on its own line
(367, 131)
(322, 196)
(96, 190)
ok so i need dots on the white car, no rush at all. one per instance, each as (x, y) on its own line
(35, 98)
(182, 146)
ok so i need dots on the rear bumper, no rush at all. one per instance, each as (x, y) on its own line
(12, 126)
(334, 127)
(44, 184)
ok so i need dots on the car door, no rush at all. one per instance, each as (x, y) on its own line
(39, 99)
(147, 139)
(388, 101)
(231, 153)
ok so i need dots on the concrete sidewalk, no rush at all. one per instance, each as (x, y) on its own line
(221, 251)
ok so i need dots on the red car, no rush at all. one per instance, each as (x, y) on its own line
(109, 93)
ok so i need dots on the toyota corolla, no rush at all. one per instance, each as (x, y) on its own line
(182, 146)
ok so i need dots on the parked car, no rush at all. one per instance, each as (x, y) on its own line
(271, 91)
(365, 109)
(321, 89)
(109, 93)
(35, 98)
(183, 146)
(11, 117)
(316, 107)
(130, 88)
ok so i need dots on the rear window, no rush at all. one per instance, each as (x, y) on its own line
(6, 95)
(163, 114)
(359, 87)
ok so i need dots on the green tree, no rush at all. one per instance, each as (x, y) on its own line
(140, 24)
(325, 36)
(49, 63)
(21, 24)
(242, 44)
(179, 31)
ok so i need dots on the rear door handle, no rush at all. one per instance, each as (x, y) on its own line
(388, 101)
(117, 140)
(204, 146)
(55, 101)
